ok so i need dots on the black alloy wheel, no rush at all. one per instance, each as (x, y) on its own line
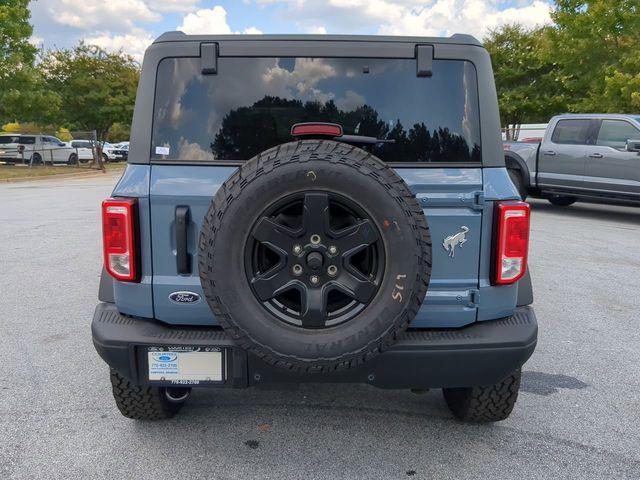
(314, 259)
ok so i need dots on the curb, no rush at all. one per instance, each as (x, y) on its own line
(92, 173)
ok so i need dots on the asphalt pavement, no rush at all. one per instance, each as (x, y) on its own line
(578, 415)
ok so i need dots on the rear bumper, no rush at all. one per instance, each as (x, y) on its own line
(480, 354)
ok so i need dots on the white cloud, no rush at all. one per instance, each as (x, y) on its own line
(318, 30)
(415, 17)
(173, 5)
(134, 43)
(113, 15)
(35, 40)
(476, 17)
(211, 21)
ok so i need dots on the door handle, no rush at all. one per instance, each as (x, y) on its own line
(595, 155)
(551, 153)
(183, 259)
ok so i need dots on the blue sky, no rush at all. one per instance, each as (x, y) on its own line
(131, 25)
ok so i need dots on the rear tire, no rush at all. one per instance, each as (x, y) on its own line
(37, 159)
(561, 201)
(484, 404)
(142, 403)
(73, 159)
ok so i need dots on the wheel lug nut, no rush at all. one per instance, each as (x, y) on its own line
(315, 239)
(297, 249)
(332, 270)
(333, 250)
(297, 269)
(314, 279)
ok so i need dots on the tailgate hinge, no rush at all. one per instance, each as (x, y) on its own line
(474, 298)
(478, 200)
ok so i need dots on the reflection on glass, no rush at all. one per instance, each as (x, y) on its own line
(251, 104)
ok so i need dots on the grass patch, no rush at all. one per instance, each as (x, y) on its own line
(9, 172)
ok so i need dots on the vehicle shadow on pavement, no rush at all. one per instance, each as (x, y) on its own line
(616, 213)
(342, 431)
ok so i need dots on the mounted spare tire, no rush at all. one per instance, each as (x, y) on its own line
(314, 256)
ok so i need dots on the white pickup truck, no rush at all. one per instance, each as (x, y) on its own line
(581, 156)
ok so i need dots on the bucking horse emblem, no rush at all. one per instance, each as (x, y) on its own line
(452, 241)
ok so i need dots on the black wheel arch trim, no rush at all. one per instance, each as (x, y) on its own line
(522, 166)
(525, 290)
(105, 290)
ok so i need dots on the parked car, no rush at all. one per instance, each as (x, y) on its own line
(34, 149)
(121, 150)
(83, 150)
(348, 232)
(112, 153)
(581, 156)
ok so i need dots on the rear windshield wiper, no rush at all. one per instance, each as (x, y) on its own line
(333, 130)
(363, 139)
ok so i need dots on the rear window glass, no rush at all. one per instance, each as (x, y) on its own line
(573, 132)
(252, 103)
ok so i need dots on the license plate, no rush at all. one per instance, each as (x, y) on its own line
(185, 365)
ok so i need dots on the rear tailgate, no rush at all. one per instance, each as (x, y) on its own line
(450, 197)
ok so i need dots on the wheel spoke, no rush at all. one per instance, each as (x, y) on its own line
(314, 303)
(356, 286)
(316, 213)
(273, 234)
(272, 283)
(356, 237)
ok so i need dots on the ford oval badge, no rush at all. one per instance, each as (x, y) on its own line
(184, 297)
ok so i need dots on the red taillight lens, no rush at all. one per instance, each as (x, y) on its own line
(511, 242)
(328, 129)
(119, 238)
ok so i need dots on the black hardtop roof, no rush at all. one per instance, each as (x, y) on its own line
(457, 39)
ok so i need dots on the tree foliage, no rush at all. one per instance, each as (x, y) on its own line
(15, 31)
(247, 131)
(23, 94)
(588, 60)
(97, 88)
(526, 81)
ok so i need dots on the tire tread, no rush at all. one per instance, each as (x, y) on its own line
(301, 152)
(490, 403)
(141, 402)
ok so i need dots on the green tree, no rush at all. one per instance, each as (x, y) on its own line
(23, 93)
(119, 132)
(97, 88)
(15, 31)
(596, 43)
(526, 80)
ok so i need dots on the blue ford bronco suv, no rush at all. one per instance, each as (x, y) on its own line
(315, 209)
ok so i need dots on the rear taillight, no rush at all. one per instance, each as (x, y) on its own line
(119, 238)
(511, 242)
